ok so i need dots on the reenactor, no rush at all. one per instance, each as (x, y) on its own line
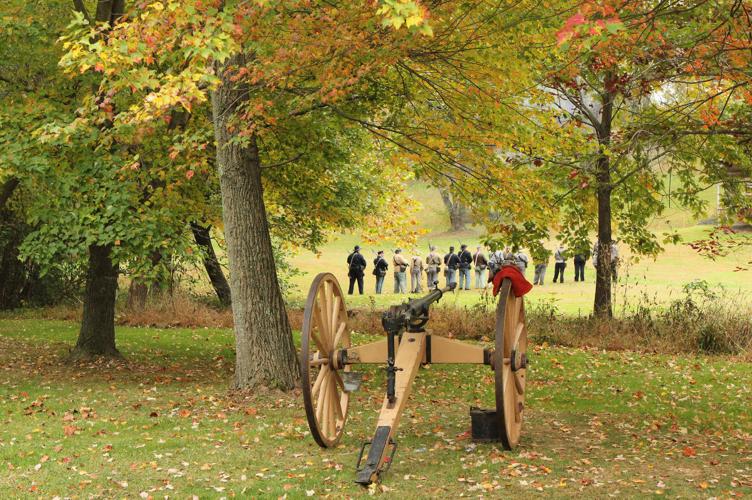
(400, 276)
(480, 263)
(451, 263)
(416, 273)
(380, 266)
(433, 266)
(560, 263)
(466, 259)
(356, 264)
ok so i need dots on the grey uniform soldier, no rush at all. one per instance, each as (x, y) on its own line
(416, 273)
(613, 259)
(521, 260)
(541, 263)
(497, 259)
(560, 263)
(433, 266)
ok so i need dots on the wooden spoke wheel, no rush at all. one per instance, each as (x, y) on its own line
(324, 334)
(510, 364)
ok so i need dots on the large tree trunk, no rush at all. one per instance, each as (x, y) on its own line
(459, 216)
(265, 353)
(602, 304)
(97, 335)
(202, 235)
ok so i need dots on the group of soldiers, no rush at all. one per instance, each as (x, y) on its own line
(454, 264)
(464, 263)
(580, 259)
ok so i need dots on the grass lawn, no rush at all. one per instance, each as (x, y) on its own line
(166, 424)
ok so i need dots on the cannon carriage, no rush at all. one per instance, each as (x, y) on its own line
(327, 359)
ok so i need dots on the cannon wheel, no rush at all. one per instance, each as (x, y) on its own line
(510, 362)
(324, 333)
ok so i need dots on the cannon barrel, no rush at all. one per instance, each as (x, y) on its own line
(418, 307)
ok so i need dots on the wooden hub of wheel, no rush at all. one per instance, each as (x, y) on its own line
(323, 337)
(510, 364)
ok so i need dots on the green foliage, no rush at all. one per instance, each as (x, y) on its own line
(90, 186)
(350, 89)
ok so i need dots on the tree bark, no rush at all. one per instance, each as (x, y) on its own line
(458, 214)
(9, 186)
(12, 272)
(97, 335)
(265, 353)
(202, 235)
(13, 276)
(602, 304)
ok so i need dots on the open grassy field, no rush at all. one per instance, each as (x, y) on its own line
(165, 424)
(658, 280)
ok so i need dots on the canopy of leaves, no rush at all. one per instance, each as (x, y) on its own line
(341, 105)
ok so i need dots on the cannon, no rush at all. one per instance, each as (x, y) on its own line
(327, 359)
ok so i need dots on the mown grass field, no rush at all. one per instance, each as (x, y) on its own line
(165, 423)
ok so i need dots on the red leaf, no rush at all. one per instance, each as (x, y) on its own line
(576, 19)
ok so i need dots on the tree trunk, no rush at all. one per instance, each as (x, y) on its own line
(202, 235)
(97, 335)
(602, 304)
(265, 353)
(458, 214)
(9, 186)
(13, 276)
(12, 271)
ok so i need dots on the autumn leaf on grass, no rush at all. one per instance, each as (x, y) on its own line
(689, 451)
(463, 435)
(69, 430)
